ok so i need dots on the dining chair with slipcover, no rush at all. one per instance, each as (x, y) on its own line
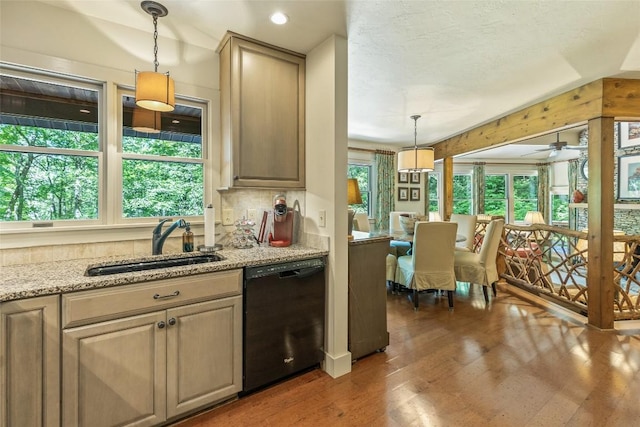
(361, 222)
(394, 221)
(466, 228)
(480, 268)
(430, 265)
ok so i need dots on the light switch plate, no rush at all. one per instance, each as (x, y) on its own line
(322, 218)
(227, 217)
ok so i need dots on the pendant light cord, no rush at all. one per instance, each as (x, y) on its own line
(415, 140)
(155, 42)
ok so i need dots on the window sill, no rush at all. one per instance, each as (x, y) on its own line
(67, 235)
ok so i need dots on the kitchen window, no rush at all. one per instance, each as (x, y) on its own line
(162, 172)
(50, 150)
(62, 163)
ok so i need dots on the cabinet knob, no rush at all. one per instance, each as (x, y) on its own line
(161, 324)
(236, 177)
(172, 321)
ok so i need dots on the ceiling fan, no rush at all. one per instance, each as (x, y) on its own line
(557, 146)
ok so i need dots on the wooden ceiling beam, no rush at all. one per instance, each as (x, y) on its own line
(619, 98)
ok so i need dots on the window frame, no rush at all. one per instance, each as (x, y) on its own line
(68, 81)
(116, 189)
(437, 177)
(109, 226)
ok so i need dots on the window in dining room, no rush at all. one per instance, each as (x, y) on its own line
(525, 195)
(434, 192)
(462, 194)
(495, 196)
(362, 172)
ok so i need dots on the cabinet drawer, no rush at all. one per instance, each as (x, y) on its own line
(104, 304)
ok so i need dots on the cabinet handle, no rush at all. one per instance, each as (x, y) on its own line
(172, 321)
(158, 296)
(161, 324)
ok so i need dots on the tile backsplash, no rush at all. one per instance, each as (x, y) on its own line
(238, 200)
(49, 253)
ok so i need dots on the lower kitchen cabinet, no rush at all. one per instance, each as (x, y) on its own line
(145, 369)
(30, 356)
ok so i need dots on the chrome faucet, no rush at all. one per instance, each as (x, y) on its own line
(159, 237)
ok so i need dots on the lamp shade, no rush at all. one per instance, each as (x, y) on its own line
(155, 91)
(353, 192)
(415, 160)
(534, 217)
(146, 120)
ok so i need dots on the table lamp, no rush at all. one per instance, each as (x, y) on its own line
(353, 198)
(534, 217)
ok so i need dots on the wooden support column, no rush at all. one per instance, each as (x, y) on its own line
(447, 187)
(600, 222)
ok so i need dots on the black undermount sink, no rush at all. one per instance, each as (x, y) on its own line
(149, 264)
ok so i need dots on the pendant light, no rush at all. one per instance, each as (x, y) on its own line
(155, 91)
(415, 159)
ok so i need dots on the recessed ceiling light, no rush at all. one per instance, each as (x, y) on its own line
(279, 18)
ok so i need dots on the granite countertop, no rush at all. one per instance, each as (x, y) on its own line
(363, 238)
(50, 278)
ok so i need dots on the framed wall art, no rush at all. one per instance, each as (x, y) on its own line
(415, 195)
(403, 194)
(415, 177)
(629, 177)
(403, 177)
(628, 134)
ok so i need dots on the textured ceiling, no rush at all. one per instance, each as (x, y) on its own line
(456, 63)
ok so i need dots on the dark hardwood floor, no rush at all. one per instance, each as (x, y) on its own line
(508, 363)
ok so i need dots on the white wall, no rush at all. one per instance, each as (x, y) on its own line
(326, 171)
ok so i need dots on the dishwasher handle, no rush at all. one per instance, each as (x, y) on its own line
(300, 273)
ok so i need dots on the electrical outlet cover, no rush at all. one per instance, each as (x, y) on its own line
(227, 217)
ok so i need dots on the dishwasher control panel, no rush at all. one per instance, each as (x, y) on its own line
(266, 270)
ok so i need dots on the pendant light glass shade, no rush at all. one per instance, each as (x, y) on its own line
(155, 91)
(144, 120)
(416, 159)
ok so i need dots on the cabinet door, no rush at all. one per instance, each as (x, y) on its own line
(114, 372)
(204, 354)
(262, 101)
(30, 355)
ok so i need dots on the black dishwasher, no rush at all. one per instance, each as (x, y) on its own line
(283, 320)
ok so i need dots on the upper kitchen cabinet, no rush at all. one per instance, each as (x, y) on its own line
(262, 97)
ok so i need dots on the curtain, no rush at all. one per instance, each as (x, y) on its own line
(478, 188)
(543, 191)
(386, 181)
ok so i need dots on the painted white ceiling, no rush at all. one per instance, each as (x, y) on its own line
(456, 63)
